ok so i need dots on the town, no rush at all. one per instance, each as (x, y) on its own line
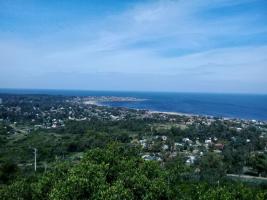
(40, 134)
(161, 136)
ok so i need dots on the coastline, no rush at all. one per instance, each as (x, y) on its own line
(176, 113)
(92, 103)
(231, 105)
(96, 103)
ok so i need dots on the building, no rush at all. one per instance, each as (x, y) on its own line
(151, 157)
(143, 143)
(165, 147)
(219, 146)
(191, 160)
(164, 138)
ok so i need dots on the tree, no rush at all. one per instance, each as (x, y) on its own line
(8, 171)
(212, 167)
(259, 163)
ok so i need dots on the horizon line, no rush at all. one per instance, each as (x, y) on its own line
(133, 91)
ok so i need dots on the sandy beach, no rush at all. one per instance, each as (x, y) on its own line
(172, 113)
(91, 103)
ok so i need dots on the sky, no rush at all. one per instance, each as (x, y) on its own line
(214, 46)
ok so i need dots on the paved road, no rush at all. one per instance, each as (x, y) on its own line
(247, 177)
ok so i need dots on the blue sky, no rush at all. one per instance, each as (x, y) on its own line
(182, 46)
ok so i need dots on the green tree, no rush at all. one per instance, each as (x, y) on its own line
(212, 167)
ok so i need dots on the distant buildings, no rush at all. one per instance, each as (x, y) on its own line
(190, 160)
(151, 157)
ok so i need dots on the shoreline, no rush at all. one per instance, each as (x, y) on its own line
(174, 113)
(203, 115)
(92, 103)
(92, 100)
(178, 113)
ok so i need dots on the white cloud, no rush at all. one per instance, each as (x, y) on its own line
(148, 39)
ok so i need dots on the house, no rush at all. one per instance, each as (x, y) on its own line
(217, 151)
(165, 147)
(233, 139)
(208, 141)
(187, 140)
(143, 143)
(239, 129)
(219, 146)
(178, 146)
(114, 117)
(191, 160)
(173, 154)
(164, 138)
(195, 151)
(151, 157)
(198, 143)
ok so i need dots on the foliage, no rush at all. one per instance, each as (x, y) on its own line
(117, 172)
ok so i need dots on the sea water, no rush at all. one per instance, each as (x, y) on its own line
(243, 106)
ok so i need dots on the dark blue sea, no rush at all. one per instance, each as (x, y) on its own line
(243, 106)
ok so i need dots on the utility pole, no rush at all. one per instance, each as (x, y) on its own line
(35, 156)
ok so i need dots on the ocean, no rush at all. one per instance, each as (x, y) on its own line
(242, 106)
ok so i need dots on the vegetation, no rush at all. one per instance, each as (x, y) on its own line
(93, 152)
(118, 172)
